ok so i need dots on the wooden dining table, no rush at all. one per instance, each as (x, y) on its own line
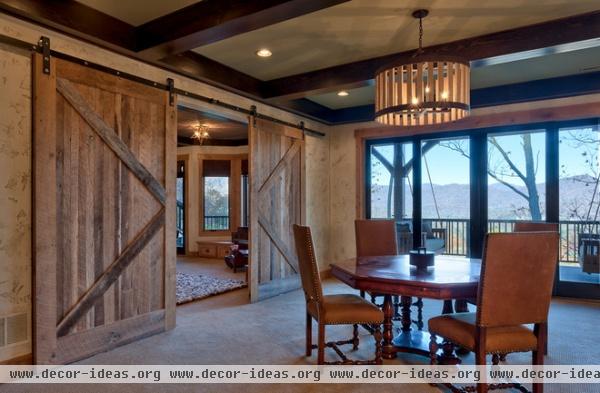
(451, 278)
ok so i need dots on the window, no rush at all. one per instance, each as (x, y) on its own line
(445, 185)
(216, 194)
(516, 178)
(579, 190)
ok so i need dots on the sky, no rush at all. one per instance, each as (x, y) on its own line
(449, 167)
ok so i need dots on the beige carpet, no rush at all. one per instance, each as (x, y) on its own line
(225, 329)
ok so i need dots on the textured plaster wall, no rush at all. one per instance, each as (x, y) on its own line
(15, 172)
(15, 190)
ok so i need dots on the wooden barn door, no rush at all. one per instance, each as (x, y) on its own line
(104, 211)
(277, 190)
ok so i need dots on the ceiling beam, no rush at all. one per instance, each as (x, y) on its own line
(199, 67)
(75, 19)
(542, 35)
(214, 20)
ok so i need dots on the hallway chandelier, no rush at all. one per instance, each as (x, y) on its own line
(201, 133)
(427, 89)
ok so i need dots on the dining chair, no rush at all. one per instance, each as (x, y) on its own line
(506, 301)
(377, 238)
(534, 226)
(338, 309)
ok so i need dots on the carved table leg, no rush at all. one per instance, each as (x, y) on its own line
(448, 308)
(461, 305)
(406, 303)
(389, 351)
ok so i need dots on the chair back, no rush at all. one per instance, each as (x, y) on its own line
(307, 264)
(533, 226)
(375, 237)
(517, 275)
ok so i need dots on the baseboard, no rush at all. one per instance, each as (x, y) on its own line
(326, 273)
(19, 360)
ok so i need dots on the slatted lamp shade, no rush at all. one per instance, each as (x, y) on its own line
(429, 89)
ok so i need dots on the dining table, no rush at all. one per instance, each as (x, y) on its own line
(450, 279)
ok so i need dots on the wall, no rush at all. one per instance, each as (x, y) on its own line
(15, 194)
(192, 204)
(15, 173)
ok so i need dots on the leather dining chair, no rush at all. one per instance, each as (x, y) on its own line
(377, 238)
(338, 309)
(506, 301)
(534, 226)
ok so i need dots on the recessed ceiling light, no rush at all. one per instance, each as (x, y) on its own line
(343, 93)
(263, 53)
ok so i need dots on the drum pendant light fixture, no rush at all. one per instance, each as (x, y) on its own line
(427, 89)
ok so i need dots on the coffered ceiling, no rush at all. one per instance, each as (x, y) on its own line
(137, 12)
(320, 47)
(363, 29)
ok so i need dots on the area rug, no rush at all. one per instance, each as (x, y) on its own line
(192, 287)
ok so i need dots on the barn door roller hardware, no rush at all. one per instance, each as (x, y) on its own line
(43, 47)
(44, 44)
(171, 87)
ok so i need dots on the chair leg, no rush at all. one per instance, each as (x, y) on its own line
(541, 331)
(480, 358)
(378, 347)
(355, 337)
(321, 345)
(433, 349)
(308, 334)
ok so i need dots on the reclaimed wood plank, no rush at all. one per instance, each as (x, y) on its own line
(108, 135)
(112, 273)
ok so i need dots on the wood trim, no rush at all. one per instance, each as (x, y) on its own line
(235, 179)
(491, 119)
(111, 274)
(210, 21)
(107, 337)
(360, 177)
(170, 250)
(19, 360)
(110, 137)
(253, 235)
(44, 210)
(187, 202)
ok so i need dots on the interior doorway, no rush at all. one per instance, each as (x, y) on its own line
(212, 205)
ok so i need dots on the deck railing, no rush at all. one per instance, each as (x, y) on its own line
(457, 234)
(216, 223)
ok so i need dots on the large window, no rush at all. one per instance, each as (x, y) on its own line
(473, 182)
(216, 194)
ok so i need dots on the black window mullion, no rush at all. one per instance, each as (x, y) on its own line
(479, 204)
(417, 187)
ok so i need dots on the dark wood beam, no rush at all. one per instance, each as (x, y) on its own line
(542, 35)
(209, 21)
(202, 68)
(75, 19)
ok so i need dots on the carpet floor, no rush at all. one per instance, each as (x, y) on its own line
(225, 329)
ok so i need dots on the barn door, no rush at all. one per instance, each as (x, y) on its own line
(104, 211)
(277, 200)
